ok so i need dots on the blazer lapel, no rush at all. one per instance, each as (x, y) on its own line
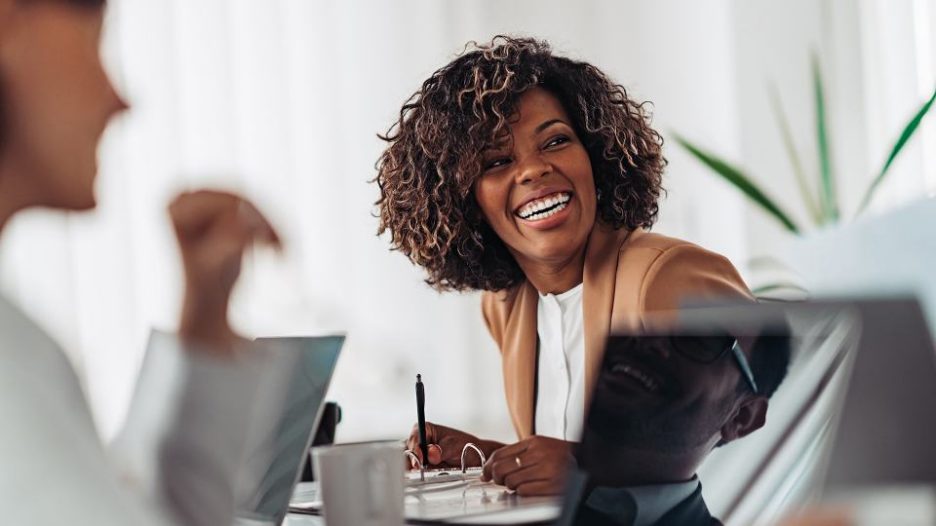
(519, 349)
(599, 277)
(519, 345)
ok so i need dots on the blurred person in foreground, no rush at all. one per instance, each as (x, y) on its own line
(662, 403)
(534, 178)
(55, 102)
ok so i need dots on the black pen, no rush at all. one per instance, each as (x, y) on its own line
(421, 415)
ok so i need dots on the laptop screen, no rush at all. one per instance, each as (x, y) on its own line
(711, 416)
(280, 453)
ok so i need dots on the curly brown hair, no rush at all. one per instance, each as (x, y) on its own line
(433, 158)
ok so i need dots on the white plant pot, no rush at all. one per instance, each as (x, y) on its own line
(888, 255)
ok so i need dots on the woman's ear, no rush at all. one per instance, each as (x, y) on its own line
(749, 416)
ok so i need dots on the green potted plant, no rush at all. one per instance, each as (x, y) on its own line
(818, 193)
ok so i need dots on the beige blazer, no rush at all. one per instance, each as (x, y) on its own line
(628, 274)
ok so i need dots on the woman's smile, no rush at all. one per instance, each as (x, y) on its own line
(546, 212)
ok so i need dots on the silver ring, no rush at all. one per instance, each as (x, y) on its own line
(517, 460)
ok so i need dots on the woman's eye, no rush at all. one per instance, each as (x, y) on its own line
(556, 141)
(496, 163)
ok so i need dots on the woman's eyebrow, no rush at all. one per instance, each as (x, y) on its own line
(549, 123)
(501, 143)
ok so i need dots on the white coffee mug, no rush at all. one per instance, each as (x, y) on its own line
(361, 484)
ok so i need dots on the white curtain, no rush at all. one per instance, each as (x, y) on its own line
(282, 100)
(899, 51)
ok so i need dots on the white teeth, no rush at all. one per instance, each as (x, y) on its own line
(545, 207)
(548, 213)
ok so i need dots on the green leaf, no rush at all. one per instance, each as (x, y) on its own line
(827, 196)
(804, 187)
(905, 136)
(740, 181)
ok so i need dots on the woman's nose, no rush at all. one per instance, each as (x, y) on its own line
(118, 103)
(531, 168)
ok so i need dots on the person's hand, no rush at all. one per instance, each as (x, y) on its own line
(445, 446)
(534, 466)
(214, 229)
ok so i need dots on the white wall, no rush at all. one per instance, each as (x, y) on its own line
(774, 44)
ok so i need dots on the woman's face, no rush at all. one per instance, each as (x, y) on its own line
(56, 101)
(537, 190)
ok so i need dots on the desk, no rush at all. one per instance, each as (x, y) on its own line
(294, 519)
(545, 515)
(454, 502)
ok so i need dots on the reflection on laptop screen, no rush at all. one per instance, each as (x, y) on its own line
(283, 451)
(662, 403)
(719, 400)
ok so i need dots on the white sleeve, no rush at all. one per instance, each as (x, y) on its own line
(191, 418)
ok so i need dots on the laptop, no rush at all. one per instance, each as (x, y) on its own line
(886, 427)
(855, 410)
(278, 455)
(660, 397)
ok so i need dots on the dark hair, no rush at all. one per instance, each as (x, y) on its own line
(433, 158)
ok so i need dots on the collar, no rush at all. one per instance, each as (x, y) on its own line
(642, 505)
(562, 296)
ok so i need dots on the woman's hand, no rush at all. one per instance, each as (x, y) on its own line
(445, 446)
(534, 466)
(214, 229)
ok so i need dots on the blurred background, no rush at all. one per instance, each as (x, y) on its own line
(283, 100)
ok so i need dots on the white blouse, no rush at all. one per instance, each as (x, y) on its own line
(560, 396)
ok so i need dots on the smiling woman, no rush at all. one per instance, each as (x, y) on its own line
(533, 177)
(544, 226)
(450, 132)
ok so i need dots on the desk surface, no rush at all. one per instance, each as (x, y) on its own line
(303, 520)
(452, 502)
(536, 515)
